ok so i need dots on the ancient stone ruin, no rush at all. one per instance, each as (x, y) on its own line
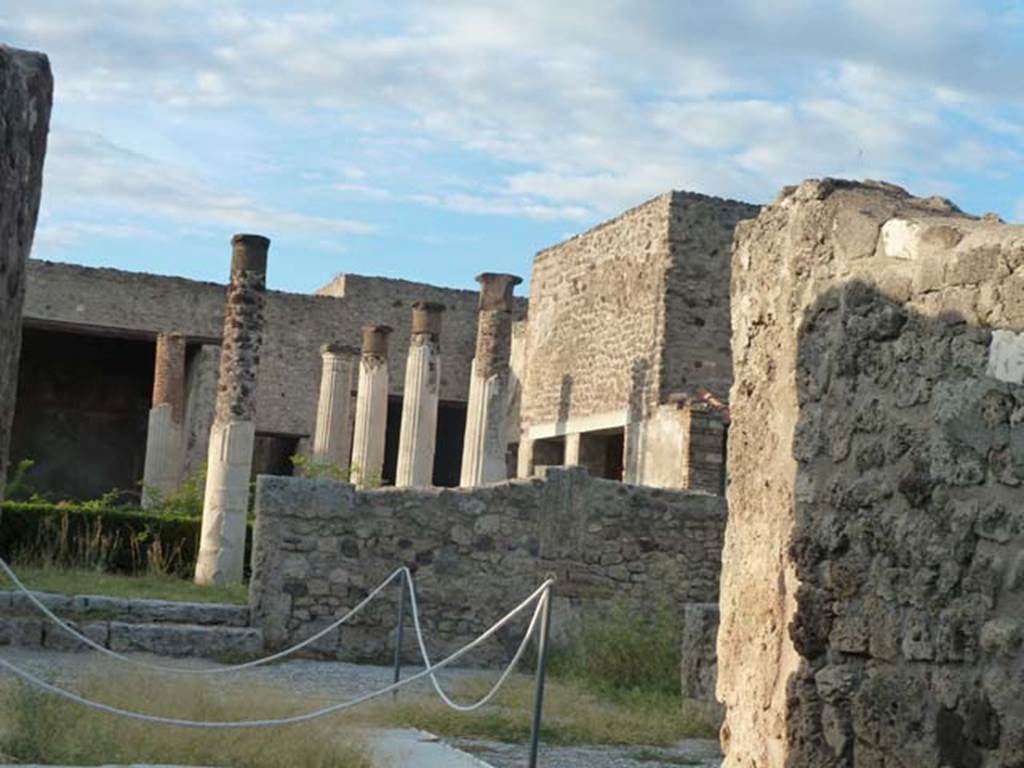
(857, 352)
(26, 95)
(873, 565)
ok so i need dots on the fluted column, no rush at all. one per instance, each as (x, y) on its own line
(232, 437)
(483, 454)
(371, 408)
(165, 437)
(420, 398)
(332, 440)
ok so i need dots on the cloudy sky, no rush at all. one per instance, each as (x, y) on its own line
(435, 140)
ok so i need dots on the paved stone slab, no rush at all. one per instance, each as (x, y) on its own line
(184, 639)
(410, 747)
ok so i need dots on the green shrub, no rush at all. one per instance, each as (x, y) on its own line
(18, 487)
(619, 650)
(121, 540)
(186, 499)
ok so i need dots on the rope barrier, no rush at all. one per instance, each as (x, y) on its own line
(540, 596)
(544, 594)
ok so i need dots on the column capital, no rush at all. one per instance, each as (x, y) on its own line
(249, 253)
(337, 349)
(496, 290)
(426, 318)
(375, 339)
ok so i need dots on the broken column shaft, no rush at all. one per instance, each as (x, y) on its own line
(165, 436)
(371, 408)
(332, 440)
(421, 396)
(483, 456)
(232, 437)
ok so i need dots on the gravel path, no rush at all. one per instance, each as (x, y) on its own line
(341, 680)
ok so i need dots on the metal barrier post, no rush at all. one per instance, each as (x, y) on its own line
(542, 665)
(399, 632)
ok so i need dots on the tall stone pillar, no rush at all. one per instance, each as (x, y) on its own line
(371, 408)
(421, 396)
(26, 94)
(332, 440)
(483, 454)
(200, 404)
(165, 437)
(232, 437)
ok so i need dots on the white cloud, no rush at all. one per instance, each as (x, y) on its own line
(576, 109)
(89, 170)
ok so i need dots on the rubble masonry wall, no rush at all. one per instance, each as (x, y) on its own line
(873, 573)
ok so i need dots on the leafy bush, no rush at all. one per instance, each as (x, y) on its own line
(121, 540)
(186, 499)
(18, 487)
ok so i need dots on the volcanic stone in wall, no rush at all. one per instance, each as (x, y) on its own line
(872, 598)
(26, 95)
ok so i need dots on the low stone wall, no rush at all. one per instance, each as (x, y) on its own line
(476, 552)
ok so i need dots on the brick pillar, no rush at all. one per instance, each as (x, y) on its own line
(332, 440)
(26, 94)
(371, 408)
(420, 398)
(165, 436)
(233, 435)
(483, 455)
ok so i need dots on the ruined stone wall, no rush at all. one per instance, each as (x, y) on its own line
(321, 546)
(26, 95)
(872, 578)
(633, 310)
(596, 314)
(63, 295)
(695, 347)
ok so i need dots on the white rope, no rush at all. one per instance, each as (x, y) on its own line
(294, 719)
(192, 670)
(543, 592)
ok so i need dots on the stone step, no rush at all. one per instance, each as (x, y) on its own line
(126, 610)
(165, 639)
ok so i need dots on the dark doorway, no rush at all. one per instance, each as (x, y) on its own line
(82, 412)
(451, 424)
(602, 453)
(394, 431)
(451, 432)
(272, 454)
(549, 452)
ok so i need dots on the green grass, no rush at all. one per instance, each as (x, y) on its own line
(84, 581)
(37, 727)
(573, 714)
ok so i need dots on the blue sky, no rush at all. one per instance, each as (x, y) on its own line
(436, 140)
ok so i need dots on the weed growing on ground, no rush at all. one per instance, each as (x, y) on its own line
(620, 651)
(573, 714)
(39, 728)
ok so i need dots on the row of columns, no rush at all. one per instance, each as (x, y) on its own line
(338, 433)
